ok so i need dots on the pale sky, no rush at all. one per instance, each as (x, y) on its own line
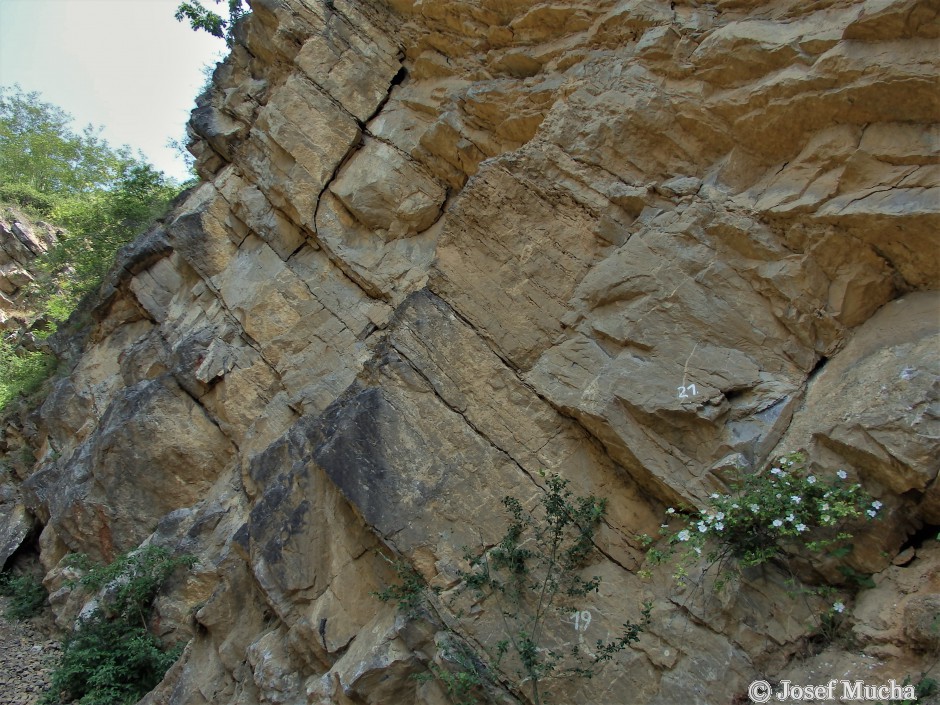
(125, 65)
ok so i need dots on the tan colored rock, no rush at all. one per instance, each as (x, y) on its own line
(444, 246)
(883, 424)
(387, 193)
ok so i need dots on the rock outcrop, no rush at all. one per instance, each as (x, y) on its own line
(21, 243)
(439, 247)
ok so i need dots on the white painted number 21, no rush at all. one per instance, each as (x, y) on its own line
(582, 620)
(687, 391)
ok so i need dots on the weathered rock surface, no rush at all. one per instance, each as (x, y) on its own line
(21, 242)
(440, 247)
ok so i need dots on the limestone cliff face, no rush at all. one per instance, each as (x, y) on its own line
(440, 246)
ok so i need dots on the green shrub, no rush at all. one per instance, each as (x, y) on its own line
(109, 662)
(533, 575)
(409, 593)
(28, 197)
(22, 372)
(111, 658)
(464, 676)
(96, 226)
(771, 515)
(26, 593)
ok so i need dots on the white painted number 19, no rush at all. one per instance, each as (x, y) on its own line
(582, 620)
(686, 391)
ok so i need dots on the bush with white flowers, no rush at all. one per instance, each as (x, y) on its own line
(783, 510)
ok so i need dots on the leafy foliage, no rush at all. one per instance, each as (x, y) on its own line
(111, 657)
(21, 371)
(766, 516)
(408, 593)
(132, 580)
(39, 153)
(26, 593)
(97, 225)
(533, 574)
(109, 663)
(202, 18)
(104, 198)
(28, 197)
(925, 688)
(462, 678)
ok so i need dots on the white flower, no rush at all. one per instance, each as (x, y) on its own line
(755, 508)
(872, 513)
(877, 505)
(735, 506)
(719, 526)
(664, 526)
(721, 515)
(776, 471)
(777, 522)
(683, 535)
(697, 550)
(811, 480)
(801, 527)
(790, 517)
(714, 495)
(795, 498)
(842, 475)
(838, 606)
(824, 506)
(671, 510)
(701, 527)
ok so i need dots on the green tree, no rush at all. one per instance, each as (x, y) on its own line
(39, 150)
(99, 223)
(201, 17)
(103, 197)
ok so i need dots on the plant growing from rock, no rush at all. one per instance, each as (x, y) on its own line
(201, 17)
(112, 658)
(408, 593)
(464, 678)
(26, 593)
(767, 516)
(532, 576)
(22, 371)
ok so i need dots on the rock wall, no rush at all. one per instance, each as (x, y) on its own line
(21, 242)
(441, 246)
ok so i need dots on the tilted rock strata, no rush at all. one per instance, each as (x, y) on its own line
(440, 247)
(21, 243)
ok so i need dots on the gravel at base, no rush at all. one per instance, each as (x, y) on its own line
(27, 654)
